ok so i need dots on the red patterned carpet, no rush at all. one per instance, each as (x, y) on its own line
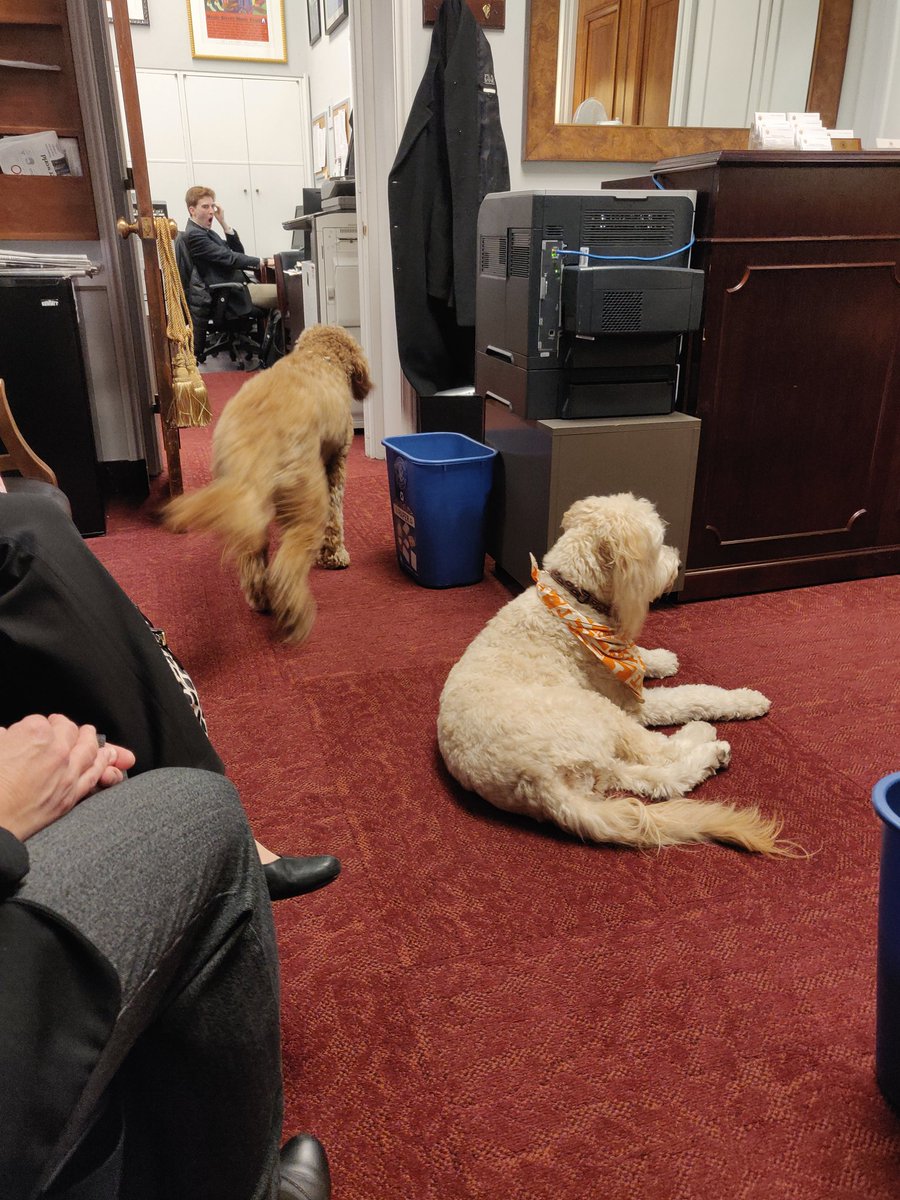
(484, 1008)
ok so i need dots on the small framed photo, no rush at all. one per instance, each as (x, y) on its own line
(314, 16)
(335, 12)
(138, 12)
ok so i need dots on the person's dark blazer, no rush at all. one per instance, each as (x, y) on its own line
(221, 260)
(72, 642)
(451, 155)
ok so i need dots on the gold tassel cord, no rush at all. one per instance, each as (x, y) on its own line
(191, 399)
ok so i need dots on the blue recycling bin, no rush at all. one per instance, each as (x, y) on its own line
(440, 483)
(886, 800)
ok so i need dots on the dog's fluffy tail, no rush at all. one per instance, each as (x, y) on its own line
(626, 819)
(225, 508)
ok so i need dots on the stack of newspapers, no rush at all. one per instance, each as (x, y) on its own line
(22, 262)
(41, 153)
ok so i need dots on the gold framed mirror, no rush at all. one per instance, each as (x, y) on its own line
(546, 140)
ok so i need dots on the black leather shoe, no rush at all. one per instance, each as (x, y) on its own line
(304, 1170)
(286, 877)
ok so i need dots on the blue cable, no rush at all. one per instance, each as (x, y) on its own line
(656, 183)
(631, 257)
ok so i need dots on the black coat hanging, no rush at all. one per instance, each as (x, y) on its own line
(451, 155)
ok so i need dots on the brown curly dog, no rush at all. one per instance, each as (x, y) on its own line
(279, 454)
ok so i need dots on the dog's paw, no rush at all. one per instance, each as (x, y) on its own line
(695, 733)
(659, 664)
(723, 752)
(334, 560)
(749, 703)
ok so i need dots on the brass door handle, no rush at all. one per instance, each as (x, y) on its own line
(143, 227)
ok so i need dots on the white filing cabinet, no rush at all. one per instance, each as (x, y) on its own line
(337, 262)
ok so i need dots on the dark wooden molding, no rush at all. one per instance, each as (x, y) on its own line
(490, 13)
(544, 140)
(829, 59)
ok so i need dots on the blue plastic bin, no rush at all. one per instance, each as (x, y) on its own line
(440, 483)
(886, 800)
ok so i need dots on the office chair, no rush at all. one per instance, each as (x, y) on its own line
(34, 476)
(214, 329)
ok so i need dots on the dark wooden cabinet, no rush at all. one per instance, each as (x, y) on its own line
(42, 207)
(795, 372)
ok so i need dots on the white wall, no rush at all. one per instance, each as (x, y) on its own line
(508, 49)
(166, 44)
(870, 101)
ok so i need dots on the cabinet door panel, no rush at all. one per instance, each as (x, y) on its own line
(231, 183)
(164, 135)
(798, 389)
(274, 130)
(275, 193)
(168, 183)
(215, 106)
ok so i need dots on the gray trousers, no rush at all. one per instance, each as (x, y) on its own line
(161, 875)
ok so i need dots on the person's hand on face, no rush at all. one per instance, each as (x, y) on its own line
(49, 764)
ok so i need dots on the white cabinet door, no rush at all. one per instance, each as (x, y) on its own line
(215, 108)
(275, 192)
(273, 116)
(231, 183)
(168, 184)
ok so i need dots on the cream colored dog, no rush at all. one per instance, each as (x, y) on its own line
(545, 713)
(279, 453)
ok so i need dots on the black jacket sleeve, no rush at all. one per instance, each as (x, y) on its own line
(72, 642)
(13, 862)
(207, 250)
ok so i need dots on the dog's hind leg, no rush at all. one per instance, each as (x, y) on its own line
(652, 764)
(333, 553)
(252, 568)
(661, 781)
(302, 510)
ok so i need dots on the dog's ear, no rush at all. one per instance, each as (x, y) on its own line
(576, 513)
(360, 382)
(633, 554)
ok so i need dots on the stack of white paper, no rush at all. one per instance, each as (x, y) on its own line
(771, 131)
(39, 154)
(789, 131)
(809, 132)
(26, 262)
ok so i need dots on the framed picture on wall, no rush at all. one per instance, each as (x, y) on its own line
(335, 12)
(238, 30)
(314, 16)
(138, 12)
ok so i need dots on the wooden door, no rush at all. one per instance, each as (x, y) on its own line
(655, 63)
(598, 47)
(625, 58)
(144, 228)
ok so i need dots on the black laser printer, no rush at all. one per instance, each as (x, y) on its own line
(581, 300)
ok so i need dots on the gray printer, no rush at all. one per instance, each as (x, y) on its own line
(581, 300)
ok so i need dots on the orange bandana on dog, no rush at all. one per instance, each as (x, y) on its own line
(620, 658)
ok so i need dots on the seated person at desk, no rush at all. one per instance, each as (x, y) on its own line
(222, 260)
